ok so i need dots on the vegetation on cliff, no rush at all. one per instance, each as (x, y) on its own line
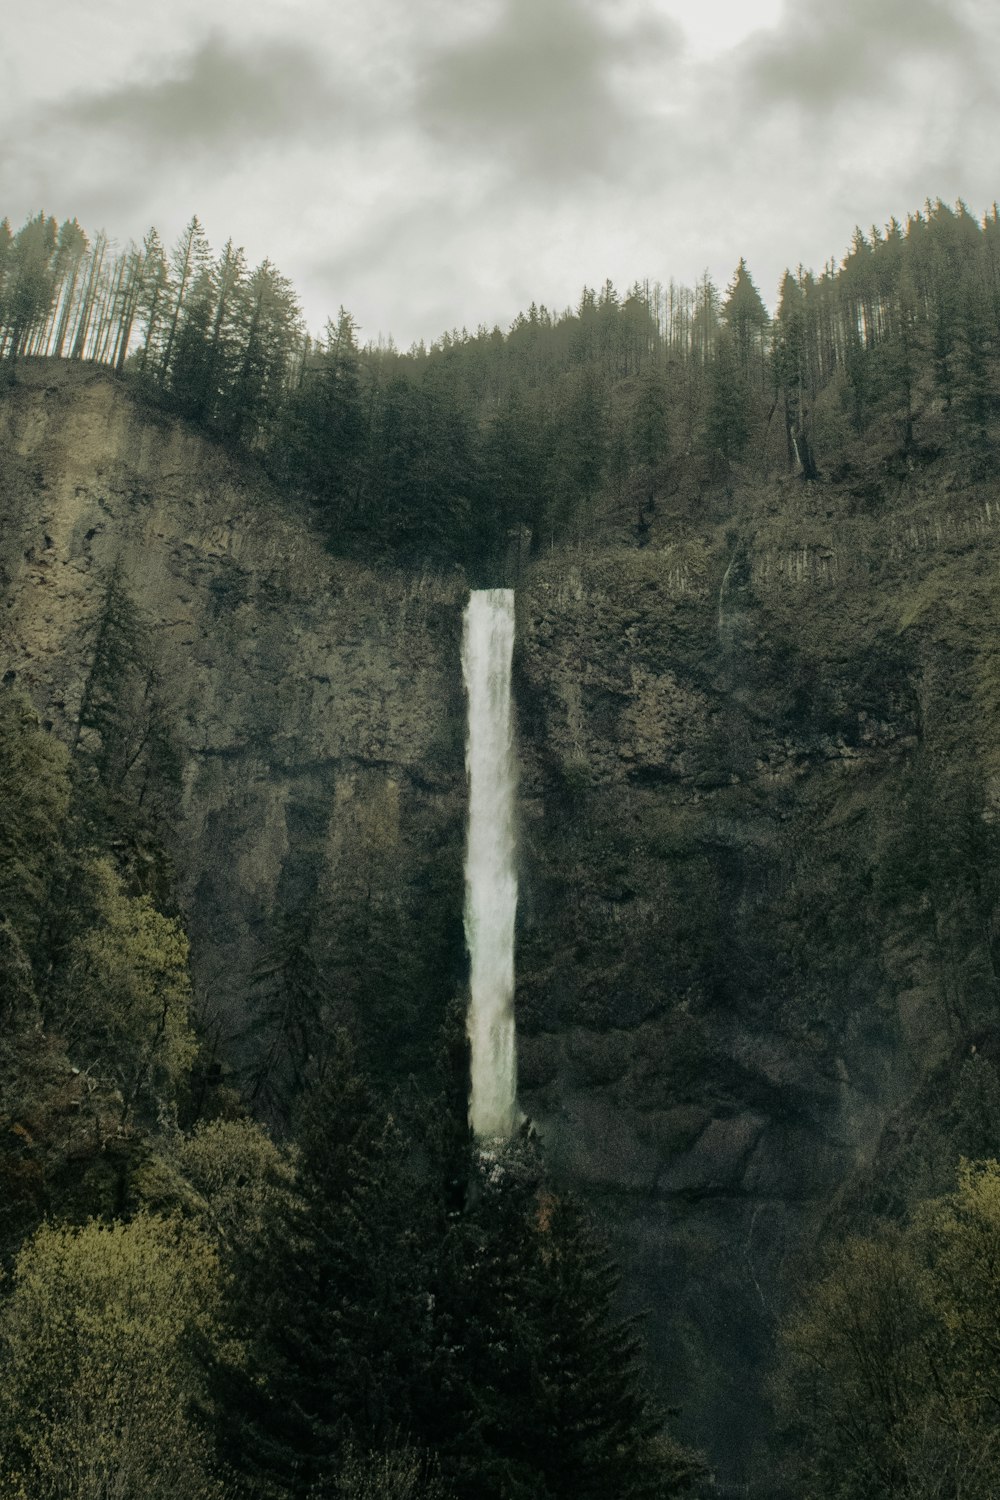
(443, 453)
(889, 1380)
(375, 1308)
(758, 691)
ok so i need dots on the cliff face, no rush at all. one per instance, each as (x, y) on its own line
(314, 705)
(757, 991)
(757, 971)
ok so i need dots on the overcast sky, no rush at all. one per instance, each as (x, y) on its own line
(438, 163)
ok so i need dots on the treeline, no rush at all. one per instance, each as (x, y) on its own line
(369, 1307)
(211, 337)
(489, 442)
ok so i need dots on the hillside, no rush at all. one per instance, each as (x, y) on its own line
(757, 990)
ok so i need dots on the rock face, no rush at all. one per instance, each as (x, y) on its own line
(757, 982)
(748, 758)
(315, 704)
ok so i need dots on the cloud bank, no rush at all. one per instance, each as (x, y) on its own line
(445, 163)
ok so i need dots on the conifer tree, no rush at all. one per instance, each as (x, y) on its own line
(746, 317)
(189, 260)
(727, 418)
(339, 1315)
(790, 372)
(192, 374)
(267, 331)
(29, 282)
(89, 299)
(322, 438)
(152, 302)
(71, 256)
(551, 1401)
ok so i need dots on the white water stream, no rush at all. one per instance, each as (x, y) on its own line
(490, 876)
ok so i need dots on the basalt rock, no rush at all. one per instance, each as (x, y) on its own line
(757, 993)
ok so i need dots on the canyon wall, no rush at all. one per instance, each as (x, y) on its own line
(756, 993)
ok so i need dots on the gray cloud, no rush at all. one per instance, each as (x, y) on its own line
(220, 96)
(826, 53)
(448, 161)
(539, 86)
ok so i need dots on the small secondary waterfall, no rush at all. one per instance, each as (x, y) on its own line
(490, 877)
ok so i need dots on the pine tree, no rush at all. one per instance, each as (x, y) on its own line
(339, 1314)
(727, 418)
(512, 474)
(152, 304)
(29, 283)
(790, 362)
(266, 335)
(189, 261)
(322, 438)
(192, 381)
(550, 1392)
(71, 257)
(746, 317)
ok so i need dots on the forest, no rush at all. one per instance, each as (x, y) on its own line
(443, 454)
(304, 1279)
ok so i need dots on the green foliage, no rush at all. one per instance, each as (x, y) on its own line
(34, 799)
(512, 482)
(748, 321)
(126, 765)
(891, 1359)
(402, 1473)
(444, 454)
(727, 424)
(124, 1003)
(321, 442)
(488, 1334)
(577, 452)
(95, 995)
(100, 1336)
(650, 422)
(555, 1399)
(243, 1179)
(336, 1313)
(29, 269)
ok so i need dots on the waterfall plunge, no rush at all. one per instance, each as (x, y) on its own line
(490, 877)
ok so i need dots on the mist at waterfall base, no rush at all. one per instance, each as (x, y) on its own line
(490, 875)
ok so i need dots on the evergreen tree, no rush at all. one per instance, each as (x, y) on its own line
(556, 1404)
(152, 302)
(322, 439)
(727, 420)
(790, 362)
(71, 256)
(577, 452)
(189, 262)
(29, 282)
(746, 317)
(512, 476)
(267, 332)
(192, 375)
(339, 1316)
(650, 422)
(294, 1013)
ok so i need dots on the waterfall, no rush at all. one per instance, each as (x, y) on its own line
(490, 877)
